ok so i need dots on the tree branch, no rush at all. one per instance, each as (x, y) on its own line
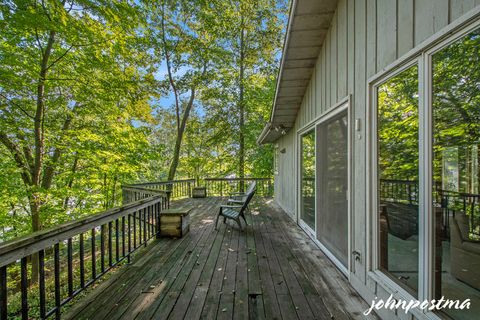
(17, 156)
(50, 168)
(169, 70)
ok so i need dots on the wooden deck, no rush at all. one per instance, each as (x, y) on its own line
(270, 271)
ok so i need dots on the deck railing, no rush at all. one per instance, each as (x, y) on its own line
(400, 191)
(42, 272)
(224, 186)
(176, 188)
(406, 192)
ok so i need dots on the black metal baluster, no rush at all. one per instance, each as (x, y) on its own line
(157, 218)
(145, 226)
(24, 287)
(117, 249)
(140, 228)
(110, 253)
(82, 263)
(123, 236)
(70, 267)
(134, 230)
(57, 280)
(94, 258)
(102, 247)
(152, 220)
(3, 293)
(147, 218)
(41, 283)
(129, 238)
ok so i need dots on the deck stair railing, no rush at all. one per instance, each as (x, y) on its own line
(43, 271)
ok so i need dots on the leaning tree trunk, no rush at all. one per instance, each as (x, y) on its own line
(241, 109)
(180, 132)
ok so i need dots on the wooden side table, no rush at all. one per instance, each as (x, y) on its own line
(175, 222)
(199, 192)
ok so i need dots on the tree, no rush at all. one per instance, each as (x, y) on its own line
(251, 36)
(180, 42)
(69, 71)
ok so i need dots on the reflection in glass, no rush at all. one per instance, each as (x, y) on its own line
(456, 136)
(332, 224)
(397, 126)
(308, 179)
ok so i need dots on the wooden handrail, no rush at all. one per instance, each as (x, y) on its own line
(225, 186)
(15, 249)
(237, 179)
(129, 227)
(159, 182)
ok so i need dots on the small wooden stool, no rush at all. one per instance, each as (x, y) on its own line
(199, 192)
(175, 222)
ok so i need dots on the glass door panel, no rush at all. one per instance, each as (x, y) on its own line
(456, 175)
(332, 186)
(307, 211)
(397, 132)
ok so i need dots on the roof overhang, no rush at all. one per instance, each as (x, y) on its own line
(308, 25)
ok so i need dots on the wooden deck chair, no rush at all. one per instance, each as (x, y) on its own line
(234, 212)
(240, 197)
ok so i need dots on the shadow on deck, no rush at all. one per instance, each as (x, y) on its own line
(272, 270)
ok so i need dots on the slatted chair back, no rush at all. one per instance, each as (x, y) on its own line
(247, 201)
(252, 186)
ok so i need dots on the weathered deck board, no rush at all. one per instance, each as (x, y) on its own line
(271, 270)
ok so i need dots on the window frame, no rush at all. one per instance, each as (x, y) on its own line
(421, 55)
(309, 230)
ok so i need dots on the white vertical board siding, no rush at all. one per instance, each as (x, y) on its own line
(386, 32)
(342, 50)
(460, 7)
(404, 26)
(365, 36)
(318, 90)
(333, 62)
(286, 174)
(358, 165)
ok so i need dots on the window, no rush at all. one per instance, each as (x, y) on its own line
(397, 132)
(307, 213)
(428, 212)
(456, 195)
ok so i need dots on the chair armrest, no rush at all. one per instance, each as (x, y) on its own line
(229, 206)
(238, 193)
(235, 201)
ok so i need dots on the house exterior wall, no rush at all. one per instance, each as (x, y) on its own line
(365, 36)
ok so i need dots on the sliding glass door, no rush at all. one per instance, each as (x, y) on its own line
(456, 175)
(307, 201)
(332, 186)
(427, 165)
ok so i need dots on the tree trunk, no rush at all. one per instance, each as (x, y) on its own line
(35, 198)
(241, 110)
(180, 132)
(70, 182)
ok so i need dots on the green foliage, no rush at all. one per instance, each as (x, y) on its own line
(80, 83)
(398, 126)
(73, 79)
